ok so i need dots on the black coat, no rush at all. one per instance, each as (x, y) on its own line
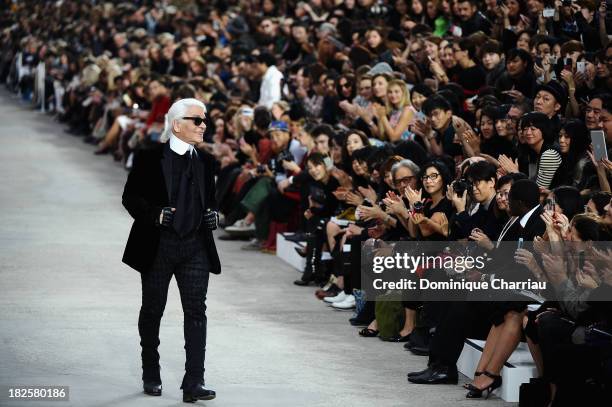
(146, 192)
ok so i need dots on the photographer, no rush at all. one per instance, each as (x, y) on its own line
(479, 184)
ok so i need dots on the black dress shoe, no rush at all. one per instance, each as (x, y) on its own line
(420, 372)
(436, 375)
(198, 393)
(304, 283)
(152, 388)
(419, 350)
(397, 338)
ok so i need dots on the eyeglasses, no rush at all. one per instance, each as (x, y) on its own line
(345, 85)
(431, 177)
(195, 119)
(503, 194)
(405, 181)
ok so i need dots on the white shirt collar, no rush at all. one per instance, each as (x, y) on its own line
(179, 146)
(526, 216)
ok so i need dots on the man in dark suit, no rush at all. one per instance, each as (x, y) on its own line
(170, 193)
(471, 319)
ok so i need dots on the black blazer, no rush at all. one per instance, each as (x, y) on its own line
(535, 226)
(146, 192)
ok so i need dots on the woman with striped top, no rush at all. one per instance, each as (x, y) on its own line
(541, 157)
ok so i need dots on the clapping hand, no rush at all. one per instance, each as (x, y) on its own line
(516, 95)
(526, 258)
(343, 178)
(460, 202)
(371, 212)
(340, 193)
(587, 277)
(555, 268)
(353, 198)
(394, 204)
(508, 165)
(368, 193)
(412, 195)
(481, 239)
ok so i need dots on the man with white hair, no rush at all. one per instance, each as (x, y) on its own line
(170, 193)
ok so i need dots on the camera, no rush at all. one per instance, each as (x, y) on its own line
(285, 156)
(261, 169)
(462, 185)
(318, 195)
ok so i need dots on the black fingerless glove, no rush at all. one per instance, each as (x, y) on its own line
(210, 220)
(165, 218)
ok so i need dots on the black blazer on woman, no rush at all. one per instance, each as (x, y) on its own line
(146, 192)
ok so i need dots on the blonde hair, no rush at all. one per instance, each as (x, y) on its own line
(405, 101)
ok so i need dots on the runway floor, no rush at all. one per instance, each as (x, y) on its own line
(69, 307)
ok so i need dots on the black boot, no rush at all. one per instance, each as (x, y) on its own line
(308, 275)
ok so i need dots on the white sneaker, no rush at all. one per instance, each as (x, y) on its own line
(338, 298)
(240, 226)
(347, 304)
(253, 245)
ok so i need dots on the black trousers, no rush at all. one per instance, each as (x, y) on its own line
(186, 260)
(457, 321)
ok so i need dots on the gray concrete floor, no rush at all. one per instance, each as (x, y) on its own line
(69, 307)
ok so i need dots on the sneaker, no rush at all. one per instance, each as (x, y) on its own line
(240, 226)
(347, 304)
(340, 297)
(253, 245)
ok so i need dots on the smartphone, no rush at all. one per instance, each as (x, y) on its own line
(550, 205)
(581, 260)
(520, 243)
(567, 64)
(581, 66)
(548, 12)
(538, 62)
(598, 141)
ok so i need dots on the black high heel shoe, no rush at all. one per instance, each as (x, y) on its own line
(476, 393)
(476, 374)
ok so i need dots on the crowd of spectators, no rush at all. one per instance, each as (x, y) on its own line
(368, 122)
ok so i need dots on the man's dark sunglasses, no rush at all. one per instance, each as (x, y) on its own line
(195, 119)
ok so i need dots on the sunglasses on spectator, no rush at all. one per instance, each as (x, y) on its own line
(195, 119)
(405, 180)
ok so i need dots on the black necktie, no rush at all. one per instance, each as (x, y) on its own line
(184, 218)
